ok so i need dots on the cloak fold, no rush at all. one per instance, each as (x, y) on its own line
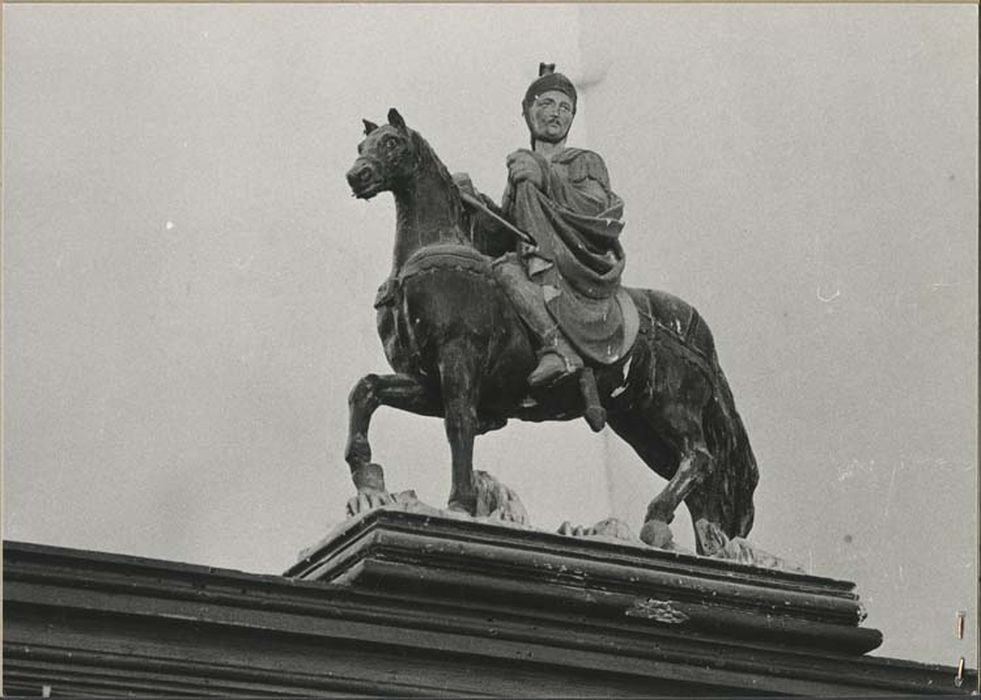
(579, 259)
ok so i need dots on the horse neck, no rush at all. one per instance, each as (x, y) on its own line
(428, 213)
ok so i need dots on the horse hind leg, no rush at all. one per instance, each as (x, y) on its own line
(637, 432)
(636, 429)
(695, 465)
(674, 447)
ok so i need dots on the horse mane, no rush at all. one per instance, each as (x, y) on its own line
(428, 160)
(489, 239)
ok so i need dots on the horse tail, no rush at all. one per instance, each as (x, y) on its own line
(730, 487)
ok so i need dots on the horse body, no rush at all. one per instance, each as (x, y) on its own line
(461, 352)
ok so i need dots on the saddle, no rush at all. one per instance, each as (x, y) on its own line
(432, 257)
(604, 332)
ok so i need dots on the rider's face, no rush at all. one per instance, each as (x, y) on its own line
(551, 116)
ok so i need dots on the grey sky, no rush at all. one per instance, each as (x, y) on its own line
(188, 284)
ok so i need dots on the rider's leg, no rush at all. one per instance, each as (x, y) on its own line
(556, 357)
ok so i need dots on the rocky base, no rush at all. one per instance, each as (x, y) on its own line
(498, 503)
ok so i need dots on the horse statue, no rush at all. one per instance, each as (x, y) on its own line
(461, 352)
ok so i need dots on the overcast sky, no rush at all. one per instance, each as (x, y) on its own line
(188, 283)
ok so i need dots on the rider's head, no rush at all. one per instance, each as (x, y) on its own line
(549, 105)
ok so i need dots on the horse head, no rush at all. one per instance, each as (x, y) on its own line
(387, 158)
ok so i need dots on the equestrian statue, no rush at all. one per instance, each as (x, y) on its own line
(516, 311)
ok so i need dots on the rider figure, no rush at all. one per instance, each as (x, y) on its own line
(566, 287)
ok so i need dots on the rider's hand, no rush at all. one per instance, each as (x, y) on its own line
(462, 181)
(522, 167)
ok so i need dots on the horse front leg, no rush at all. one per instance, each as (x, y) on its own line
(398, 391)
(460, 388)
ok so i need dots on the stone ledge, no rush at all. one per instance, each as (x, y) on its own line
(91, 623)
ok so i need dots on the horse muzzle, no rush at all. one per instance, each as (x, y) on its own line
(364, 179)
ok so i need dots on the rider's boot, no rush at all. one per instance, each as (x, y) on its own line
(557, 359)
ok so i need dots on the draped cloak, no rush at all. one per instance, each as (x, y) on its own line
(578, 259)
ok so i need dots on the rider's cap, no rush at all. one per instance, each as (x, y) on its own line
(547, 80)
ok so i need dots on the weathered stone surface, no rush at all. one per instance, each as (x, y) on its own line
(96, 624)
(498, 502)
(609, 529)
(719, 545)
(594, 576)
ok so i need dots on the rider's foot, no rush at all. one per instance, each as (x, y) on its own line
(552, 367)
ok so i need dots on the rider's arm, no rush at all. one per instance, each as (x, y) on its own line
(490, 236)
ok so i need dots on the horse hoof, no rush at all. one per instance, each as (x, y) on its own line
(462, 508)
(369, 478)
(656, 533)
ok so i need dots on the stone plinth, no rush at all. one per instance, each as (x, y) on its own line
(613, 583)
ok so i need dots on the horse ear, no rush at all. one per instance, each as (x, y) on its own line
(369, 126)
(395, 119)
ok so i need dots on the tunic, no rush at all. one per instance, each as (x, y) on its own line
(576, 220)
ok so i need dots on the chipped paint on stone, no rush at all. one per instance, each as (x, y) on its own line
(657, 610)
